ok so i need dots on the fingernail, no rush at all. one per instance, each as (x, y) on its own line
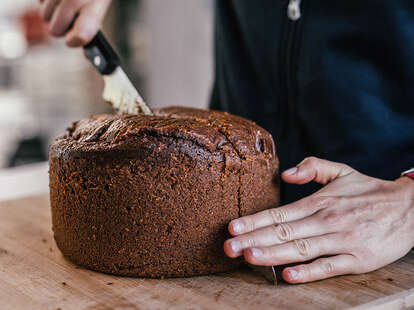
(291, 171)
(237, 226)
(293, 274)
(235, 246)
(256, 252)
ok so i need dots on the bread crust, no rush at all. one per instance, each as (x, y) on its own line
(151, 196)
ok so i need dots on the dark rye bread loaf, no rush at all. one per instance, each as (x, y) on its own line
(151, 196)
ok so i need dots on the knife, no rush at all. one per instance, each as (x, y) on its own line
(118, 90)
(268, 272)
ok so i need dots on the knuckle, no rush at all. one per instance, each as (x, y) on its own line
(311, 161)
(278, 215)
(349, 237)
(354, 244)
(365, 253)
(249, 223)
(326, 266)
(284, 232)
(321, 202)
(303, 247)
(312, 158)
(249, 242)
(330, 217)
(305, 272)
(363, 266)
(345, 167)
(359, 211)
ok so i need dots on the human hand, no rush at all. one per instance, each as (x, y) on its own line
(77, 20)
(361, 223)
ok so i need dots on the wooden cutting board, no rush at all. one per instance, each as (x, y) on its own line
(34, 275)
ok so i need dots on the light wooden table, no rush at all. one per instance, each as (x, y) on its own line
(34, 275)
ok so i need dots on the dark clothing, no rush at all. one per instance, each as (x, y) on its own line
(336, 84)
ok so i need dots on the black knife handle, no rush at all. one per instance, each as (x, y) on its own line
(101, 54)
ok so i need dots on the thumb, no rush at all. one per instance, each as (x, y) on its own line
(315, 169)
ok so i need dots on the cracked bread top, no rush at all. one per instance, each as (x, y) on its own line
(212, 130)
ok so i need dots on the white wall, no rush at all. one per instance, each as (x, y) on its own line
(180, 51)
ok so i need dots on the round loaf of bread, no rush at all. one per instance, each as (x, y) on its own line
(151, 196)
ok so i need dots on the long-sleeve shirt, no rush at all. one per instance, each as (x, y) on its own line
(337, 83)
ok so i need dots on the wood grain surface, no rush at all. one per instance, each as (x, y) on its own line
(34, 275)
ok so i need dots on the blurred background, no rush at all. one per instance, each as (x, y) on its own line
(166, 47)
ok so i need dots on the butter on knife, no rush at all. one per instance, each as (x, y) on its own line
(119, 90)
